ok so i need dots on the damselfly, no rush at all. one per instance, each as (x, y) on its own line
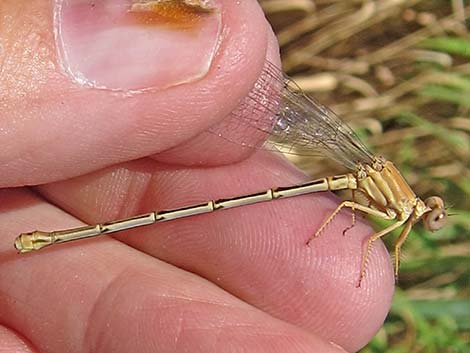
(278, 109)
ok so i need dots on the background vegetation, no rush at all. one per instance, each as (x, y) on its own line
(399, 72)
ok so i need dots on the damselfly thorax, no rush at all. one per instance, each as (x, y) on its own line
(380, 190)
(278, 110)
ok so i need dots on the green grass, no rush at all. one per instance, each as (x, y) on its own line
(450, 45)
(430, 326)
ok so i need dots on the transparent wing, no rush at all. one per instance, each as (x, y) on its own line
(278, 115)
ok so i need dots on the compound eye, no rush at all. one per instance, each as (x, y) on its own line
(434, 202)
(435, 220)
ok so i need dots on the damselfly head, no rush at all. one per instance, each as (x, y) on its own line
(436, 217)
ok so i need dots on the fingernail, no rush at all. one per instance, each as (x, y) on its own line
(132, 45)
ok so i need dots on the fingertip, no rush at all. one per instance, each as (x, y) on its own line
(83, 128)
(341, 310)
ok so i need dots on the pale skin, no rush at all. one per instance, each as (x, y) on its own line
(240, 280)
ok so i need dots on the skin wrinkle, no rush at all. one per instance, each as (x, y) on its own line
(6, 302)
(109, 290)
(222, 341)
(114, 292)
(125, 274)
(123, 209)
(139, 195)
(179, 330)
(219, 332)
(180, 342)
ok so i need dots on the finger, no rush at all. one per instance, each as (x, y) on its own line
(57, 124)
(107, 297)
(256, 252)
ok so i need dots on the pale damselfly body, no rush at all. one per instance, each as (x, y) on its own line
(278, 109)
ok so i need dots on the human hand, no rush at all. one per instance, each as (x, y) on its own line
(239, 280)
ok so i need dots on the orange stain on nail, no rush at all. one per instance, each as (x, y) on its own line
(179, 14)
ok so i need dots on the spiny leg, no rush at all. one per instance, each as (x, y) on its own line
(401, 239)
(353, 215)
(352, 205)
(372, 239)
(328, 220)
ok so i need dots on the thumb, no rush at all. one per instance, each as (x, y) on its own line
(87, 84)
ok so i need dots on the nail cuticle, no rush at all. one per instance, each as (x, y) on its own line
(108, 47)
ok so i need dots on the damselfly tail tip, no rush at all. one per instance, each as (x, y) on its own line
(27, 242)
